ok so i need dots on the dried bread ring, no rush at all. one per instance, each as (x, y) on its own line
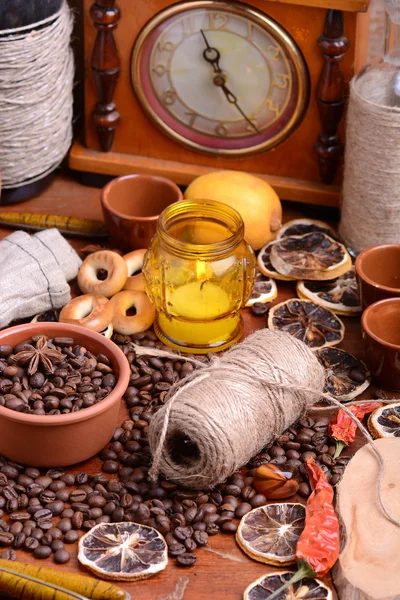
(145, 312)
(134, 262)
(91, 310)
(112, 263)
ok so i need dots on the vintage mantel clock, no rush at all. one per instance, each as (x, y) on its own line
(181, 88)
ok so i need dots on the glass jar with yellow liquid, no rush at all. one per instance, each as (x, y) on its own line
(198, 273)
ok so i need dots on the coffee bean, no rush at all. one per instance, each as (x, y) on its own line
(56, 507)
(6, 538)
(71, 537)
(43, 513)
(61, 557)
(304, 489)
(182, 533)
(19, 540)
(212, 529)
(8, 555)
(77, 496)
(335, 479)
(110, 467)
(242, 509)
(176, 549)
(57, 545)
(258, 500)
(42, 552)
(186, 560)
(201, 538)
(37, 533)
(327, 460)
(229, 527)
(16, 528)
(292, 454)
(30, 544)
(64, 525)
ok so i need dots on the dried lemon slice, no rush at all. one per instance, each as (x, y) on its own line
(346, 376)
(313, 256)
(385, 421)
(303, 226)
(265, 266)
(123, 551)
(314, 325)
(269, 534)
(340, 295)
(305, 589)
(264, 290)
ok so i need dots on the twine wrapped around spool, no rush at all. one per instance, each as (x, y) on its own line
(36, 81)
(226, 412)
(370, 212)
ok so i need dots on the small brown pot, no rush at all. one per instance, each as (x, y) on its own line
(60, 440)
(381, 334)
(131, 206)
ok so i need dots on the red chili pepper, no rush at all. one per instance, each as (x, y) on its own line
(317, 548)
(343, 429)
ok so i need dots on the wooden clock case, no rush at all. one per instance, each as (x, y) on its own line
(120, 138)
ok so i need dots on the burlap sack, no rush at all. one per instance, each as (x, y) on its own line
(34, 271)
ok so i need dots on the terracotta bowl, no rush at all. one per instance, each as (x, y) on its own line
(60, 440)
(131, 207)
(381, 333)
(378, 273)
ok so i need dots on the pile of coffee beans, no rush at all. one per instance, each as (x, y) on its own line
(44, 512)
(44, 376)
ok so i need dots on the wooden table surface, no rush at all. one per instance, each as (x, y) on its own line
(224, 571)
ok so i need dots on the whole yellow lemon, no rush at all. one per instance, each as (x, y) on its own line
(254, 199)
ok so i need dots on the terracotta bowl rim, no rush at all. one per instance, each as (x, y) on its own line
(106, 189)
(359, 267)
(81, 415)
(366, 327)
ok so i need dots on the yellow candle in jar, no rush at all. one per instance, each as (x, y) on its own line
(200, 314)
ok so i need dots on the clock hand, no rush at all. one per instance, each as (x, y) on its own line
(233, 100)
(212, 55)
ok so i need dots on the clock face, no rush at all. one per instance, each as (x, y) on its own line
(220, 77)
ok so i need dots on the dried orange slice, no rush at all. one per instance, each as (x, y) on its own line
(313, 256)
(123, 551)
(303, 226)
(314, 325)
(385, 421)
(346, 376)
(264, 290)
(305, 589)
(269, 533)
(265, 266)
(340, 295)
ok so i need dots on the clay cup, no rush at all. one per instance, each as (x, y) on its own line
(61, 440)
(131, 207)
(378, 273)
(381, 333)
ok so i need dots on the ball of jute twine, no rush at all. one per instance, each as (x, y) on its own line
(36, 81)
(370, 212)
(236, 404)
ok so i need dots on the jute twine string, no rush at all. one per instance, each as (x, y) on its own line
(370, 211)
(236, 404)
(36, 81)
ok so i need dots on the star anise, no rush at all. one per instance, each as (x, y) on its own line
(40, 354)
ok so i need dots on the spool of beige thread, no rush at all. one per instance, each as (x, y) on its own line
(370, 212)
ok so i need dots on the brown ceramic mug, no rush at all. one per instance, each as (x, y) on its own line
(381, 334)
(131, 207)
(378, 273)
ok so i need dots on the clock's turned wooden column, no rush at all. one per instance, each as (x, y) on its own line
(105, 66)
(331, 94)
